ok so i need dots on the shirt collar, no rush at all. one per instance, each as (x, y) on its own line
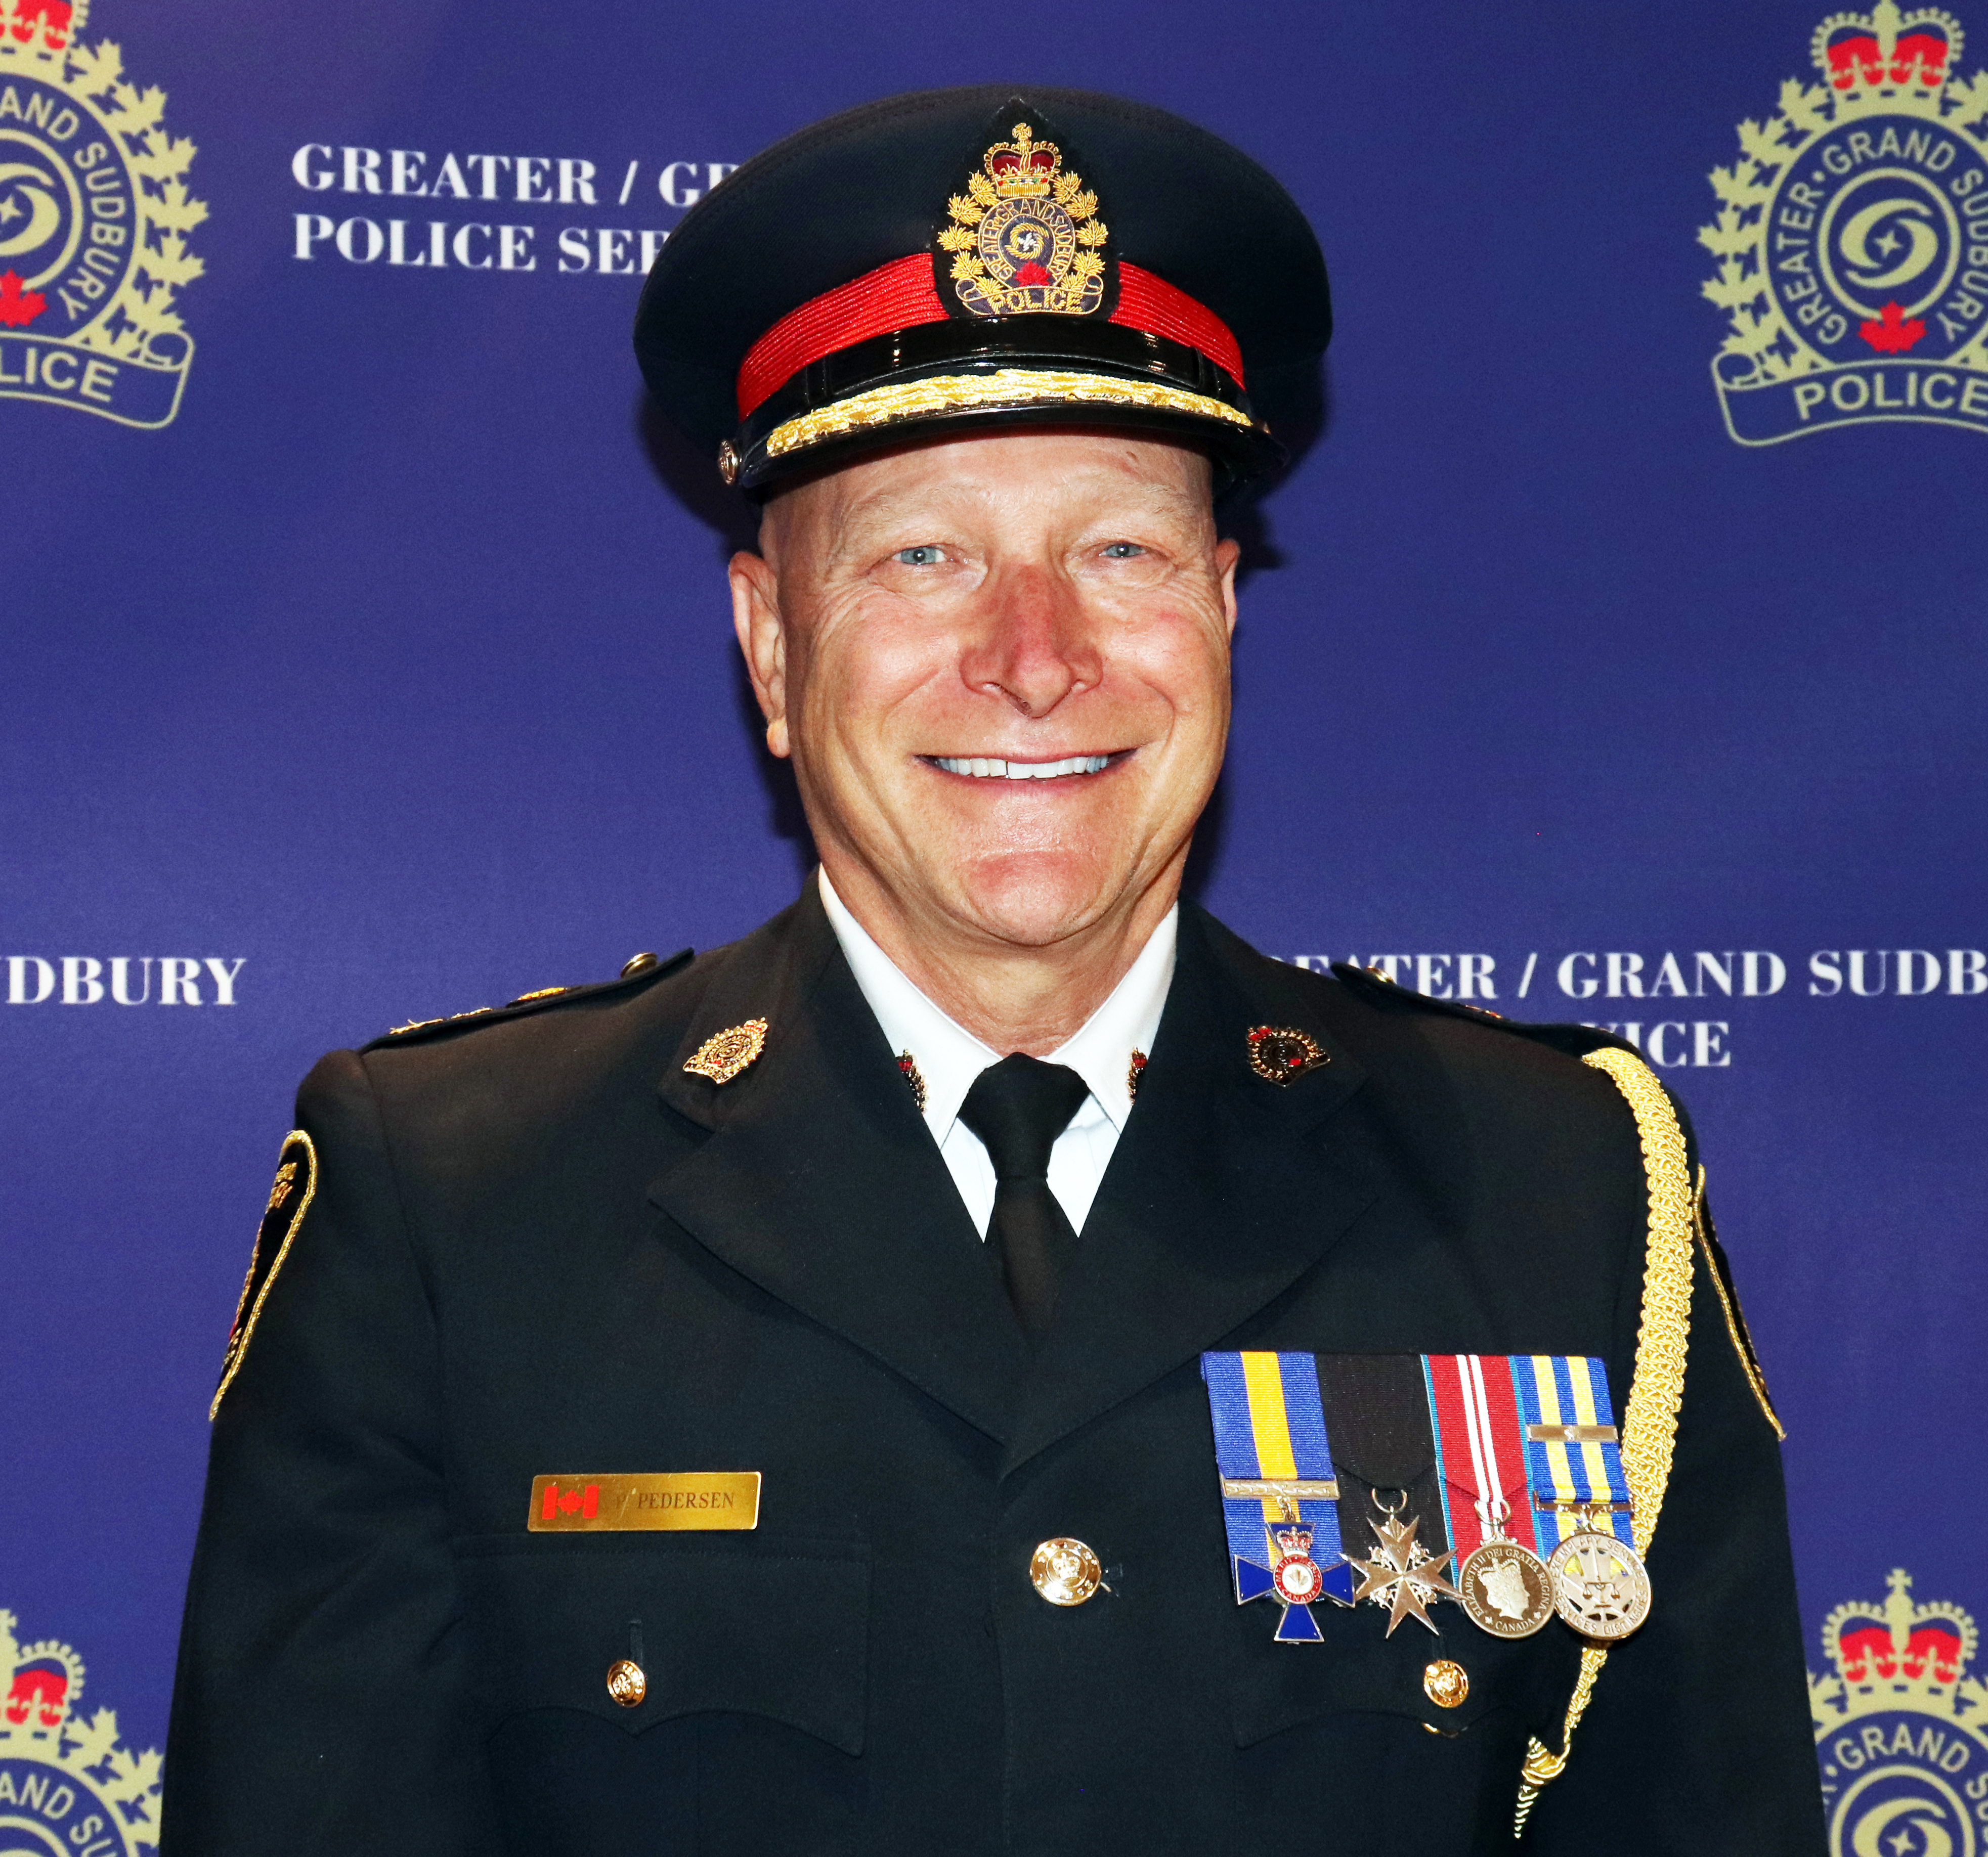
(1101, 1052)
(949, 1057)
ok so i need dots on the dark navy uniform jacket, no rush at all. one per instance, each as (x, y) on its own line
(539, 1246)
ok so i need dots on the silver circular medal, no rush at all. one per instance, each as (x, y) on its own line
(1600, 1587)
(1506, 1588)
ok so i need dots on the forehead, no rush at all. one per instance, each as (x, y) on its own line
(1005, 472)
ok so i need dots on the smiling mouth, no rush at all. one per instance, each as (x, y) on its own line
(977, 767)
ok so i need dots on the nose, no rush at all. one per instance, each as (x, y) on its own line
(1035, 646)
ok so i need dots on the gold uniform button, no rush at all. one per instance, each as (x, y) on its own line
(627, 1682)
(1064, 1571)
(1445, 1683)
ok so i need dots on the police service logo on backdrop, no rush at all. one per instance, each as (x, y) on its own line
(1901, 1730)
(94, 214)
(1852, 238)
(67, 1787)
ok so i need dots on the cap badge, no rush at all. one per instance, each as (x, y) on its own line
(721, 1057)
(1025, 236)
(1282, 1054)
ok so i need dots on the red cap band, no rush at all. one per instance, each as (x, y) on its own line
(1152, 305)
(897, 295)
(902, 294)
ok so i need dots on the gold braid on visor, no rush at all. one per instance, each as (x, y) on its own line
(1005, 387)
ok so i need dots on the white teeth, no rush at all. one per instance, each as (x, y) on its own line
(981, 768)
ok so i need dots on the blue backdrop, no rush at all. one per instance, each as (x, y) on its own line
(392, 674)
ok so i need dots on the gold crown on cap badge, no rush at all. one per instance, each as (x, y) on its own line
(1025, 234)
(724, 1055)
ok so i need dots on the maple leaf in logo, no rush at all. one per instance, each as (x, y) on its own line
(19, 307)
(1890, 334)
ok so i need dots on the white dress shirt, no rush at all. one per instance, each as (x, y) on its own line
(949, 1058)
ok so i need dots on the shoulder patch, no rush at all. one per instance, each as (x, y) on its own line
(289, 1200)
(632, 979)
(1728, 1302)
(1576, 1040)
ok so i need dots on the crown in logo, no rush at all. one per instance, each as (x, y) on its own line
(1888, 53)
(44, 26)
(1023, 169)
(42, 1683)
(1294, 1544)
(1901, 1646)
(55, 1752)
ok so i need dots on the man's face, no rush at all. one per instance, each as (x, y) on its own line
(1001, 665)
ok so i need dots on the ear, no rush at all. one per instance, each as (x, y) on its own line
(1227, 553)
(756, 617)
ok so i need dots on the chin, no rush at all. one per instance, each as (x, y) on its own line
(1033, 899)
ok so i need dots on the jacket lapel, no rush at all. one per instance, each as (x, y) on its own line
(1223, 1190)
(821, 1183)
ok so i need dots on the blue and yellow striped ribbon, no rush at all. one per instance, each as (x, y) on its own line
(1269, 1426)
(1558, 1389)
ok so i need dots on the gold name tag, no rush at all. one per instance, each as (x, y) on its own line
(666, 1500)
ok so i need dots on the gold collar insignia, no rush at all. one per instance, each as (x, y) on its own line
(723, 1056)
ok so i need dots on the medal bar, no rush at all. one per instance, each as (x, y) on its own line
(1278, 1490)
(1501, 1583)
(1285, 1489)
(1530, 1479)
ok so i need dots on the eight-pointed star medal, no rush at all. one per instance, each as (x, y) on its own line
(1404, 1576)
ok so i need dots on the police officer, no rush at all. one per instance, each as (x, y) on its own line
(988, 1363)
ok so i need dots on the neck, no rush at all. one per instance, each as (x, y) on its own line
(1011, 996)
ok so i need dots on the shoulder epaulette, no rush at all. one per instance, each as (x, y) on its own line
(643, 970)
(1576, 1041)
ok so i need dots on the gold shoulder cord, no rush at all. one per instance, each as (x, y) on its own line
(1656, 1390)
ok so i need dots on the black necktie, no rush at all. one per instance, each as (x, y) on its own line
(1018, 1108)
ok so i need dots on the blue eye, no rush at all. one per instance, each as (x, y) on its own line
(1122, 551)
(927, 554)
